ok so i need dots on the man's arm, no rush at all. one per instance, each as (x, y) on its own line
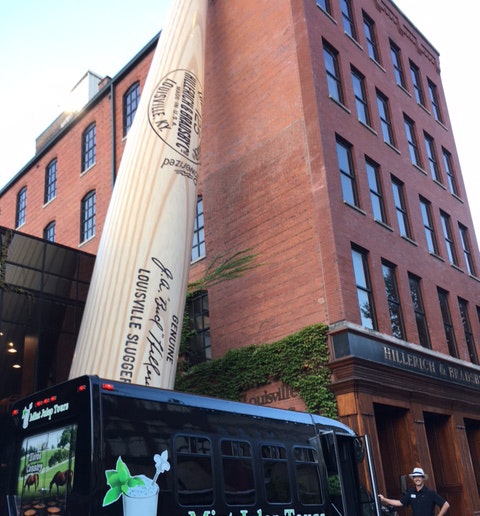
(396, 503)
(443, 509)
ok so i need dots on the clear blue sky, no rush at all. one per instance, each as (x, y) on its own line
(46, 46)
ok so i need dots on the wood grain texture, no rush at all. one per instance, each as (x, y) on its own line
(133, 317)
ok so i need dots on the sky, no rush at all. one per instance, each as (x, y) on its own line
(47, 46)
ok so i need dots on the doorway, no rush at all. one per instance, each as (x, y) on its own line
(441, 439)
(472, 428)
(395, 446)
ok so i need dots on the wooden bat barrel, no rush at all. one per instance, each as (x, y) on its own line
(132, 322)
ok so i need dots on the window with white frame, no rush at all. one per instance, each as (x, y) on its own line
(130, 104)
(89, 147)
(50, 190)
(49, 232)
(198, 244)
(87, 216)
(21, 208)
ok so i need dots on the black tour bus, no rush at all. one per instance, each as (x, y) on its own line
(95, 447)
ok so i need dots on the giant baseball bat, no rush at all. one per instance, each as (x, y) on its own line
(132, 322)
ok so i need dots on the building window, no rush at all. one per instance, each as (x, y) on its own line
(49, 232)
(130, 104)
(358, 82)
(432, 158)
(364, 288)
(369, 28)
(412, 141)
(478, 313)
(447, 322)
(426, 209)
(324, 5)
(397, 64)
(432, 90)
(393, 300)
(419, 310)
(376, 194)
(448, 236)
(347, 172)
(467, 253)
(347, 18)
(452, 182)
(21, 210)
(197, 346)
(334, 82)
(89, 147)
(198, 246)
(50, 181)
(401, 208)
(385, 119)
(87, 216)
(467, 328)
(417, 84)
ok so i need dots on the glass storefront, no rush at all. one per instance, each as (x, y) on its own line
(43, 289)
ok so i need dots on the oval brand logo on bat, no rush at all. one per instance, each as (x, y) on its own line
(175, 113)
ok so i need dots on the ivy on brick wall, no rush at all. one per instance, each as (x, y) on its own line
(298, 360)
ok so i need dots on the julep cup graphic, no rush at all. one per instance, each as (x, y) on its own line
(141, 500)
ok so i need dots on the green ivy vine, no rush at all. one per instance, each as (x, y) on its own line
(298, 360)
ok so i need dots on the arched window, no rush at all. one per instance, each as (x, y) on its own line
(21, 211)
(89, 147)
(130, 104)
(87, 216)
(50, 181)
(49, 232)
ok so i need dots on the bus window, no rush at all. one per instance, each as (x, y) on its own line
(306, 473)
(275, 474)
(194, 480)
(238, 481)
(133, 430)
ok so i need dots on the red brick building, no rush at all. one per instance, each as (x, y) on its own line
(327, 148)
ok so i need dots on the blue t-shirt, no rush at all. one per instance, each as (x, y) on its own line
(422, 502)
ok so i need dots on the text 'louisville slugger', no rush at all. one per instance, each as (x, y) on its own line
(133, 317)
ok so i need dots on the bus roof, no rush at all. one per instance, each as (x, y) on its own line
(192, 400)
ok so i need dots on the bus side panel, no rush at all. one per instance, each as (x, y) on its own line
(208, 462)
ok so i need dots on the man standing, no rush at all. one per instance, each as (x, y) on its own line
(421, 498)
